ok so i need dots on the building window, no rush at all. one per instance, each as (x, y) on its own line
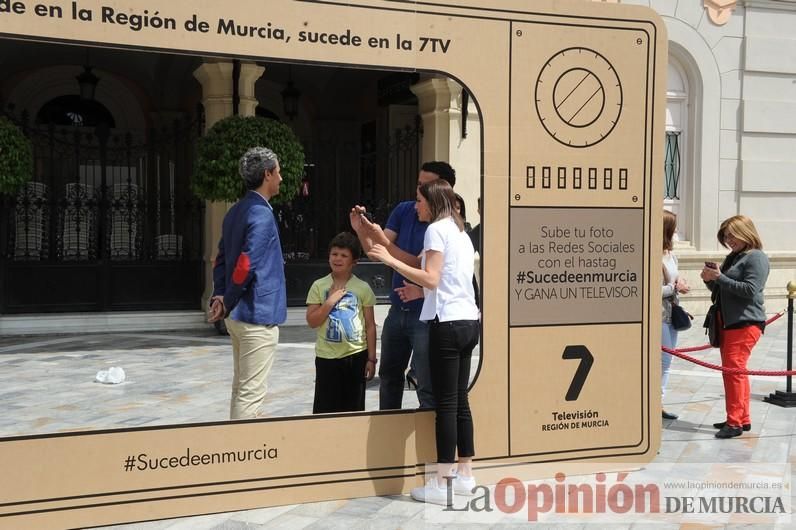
(677, 148)
(672, 166)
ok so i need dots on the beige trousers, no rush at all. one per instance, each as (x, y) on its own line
(253, 351)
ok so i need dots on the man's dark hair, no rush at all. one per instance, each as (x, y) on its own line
(441, 169)
(349, 241)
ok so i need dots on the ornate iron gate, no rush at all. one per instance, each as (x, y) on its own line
(108, 222)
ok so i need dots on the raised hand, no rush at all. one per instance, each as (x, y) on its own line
(380, 253)
(373, 231)
(355, 217)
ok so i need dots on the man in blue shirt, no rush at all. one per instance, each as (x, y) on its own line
(403, 334)
(249, 282)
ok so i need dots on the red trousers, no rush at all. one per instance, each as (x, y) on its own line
(736, 346)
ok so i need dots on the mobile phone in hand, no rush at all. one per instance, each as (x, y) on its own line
(710, 265)
(368, 216)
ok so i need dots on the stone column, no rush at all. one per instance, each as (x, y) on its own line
(440, 107)
(216, 80)
(249, 74)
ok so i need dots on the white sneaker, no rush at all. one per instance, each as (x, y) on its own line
(464, 486)
(433, 493)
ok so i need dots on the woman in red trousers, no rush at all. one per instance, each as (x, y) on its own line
(737, 291)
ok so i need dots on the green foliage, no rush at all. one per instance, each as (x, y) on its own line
(216, 175)
(16, 158)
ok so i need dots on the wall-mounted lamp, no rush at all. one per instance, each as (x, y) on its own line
(87, 81)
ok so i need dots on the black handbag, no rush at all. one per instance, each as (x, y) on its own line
(712, 327)
(681, 319)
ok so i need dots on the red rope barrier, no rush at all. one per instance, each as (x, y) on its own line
(680, 353)
(776, 317)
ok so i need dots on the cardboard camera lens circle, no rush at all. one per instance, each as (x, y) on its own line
(573, 88)
(578, 97)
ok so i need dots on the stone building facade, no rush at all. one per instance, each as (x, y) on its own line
(732, 102)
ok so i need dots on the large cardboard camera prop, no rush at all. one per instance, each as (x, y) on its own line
(571, 98)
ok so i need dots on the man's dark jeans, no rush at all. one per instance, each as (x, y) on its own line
(403, 335)
(451, 347)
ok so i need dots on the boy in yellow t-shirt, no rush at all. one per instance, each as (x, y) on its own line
(340, 307)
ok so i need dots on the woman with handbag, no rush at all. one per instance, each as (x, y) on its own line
(672, 286)
(737, 294)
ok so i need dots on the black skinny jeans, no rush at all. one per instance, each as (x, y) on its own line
(450, 347)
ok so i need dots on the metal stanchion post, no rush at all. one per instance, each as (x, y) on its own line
(787, 398)
(790, 336)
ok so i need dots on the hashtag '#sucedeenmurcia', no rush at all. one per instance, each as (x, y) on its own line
(521, 277)
(129, 463)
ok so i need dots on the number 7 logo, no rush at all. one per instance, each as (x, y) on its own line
(586, 360)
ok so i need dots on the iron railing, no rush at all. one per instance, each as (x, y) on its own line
(672, 166)
(102, 194)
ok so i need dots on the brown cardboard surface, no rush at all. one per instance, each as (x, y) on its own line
(609, 410)
(507, 53)
(576, 266)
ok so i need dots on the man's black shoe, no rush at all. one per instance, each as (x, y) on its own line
(745, 427)
(729, 432)
(668, 415)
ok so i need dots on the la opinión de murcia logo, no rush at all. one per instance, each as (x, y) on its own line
(512, 496)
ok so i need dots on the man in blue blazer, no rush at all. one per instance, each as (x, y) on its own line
(249, 282)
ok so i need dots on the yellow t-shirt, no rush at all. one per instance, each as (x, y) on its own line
(343, 332)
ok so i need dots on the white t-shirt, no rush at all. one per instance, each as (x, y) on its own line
(453, 299)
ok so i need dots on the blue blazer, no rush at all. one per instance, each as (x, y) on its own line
(249, 271)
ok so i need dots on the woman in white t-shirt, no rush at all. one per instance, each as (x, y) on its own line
(446, 275)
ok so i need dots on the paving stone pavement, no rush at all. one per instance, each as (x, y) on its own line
(47, 383)
(184, 377)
